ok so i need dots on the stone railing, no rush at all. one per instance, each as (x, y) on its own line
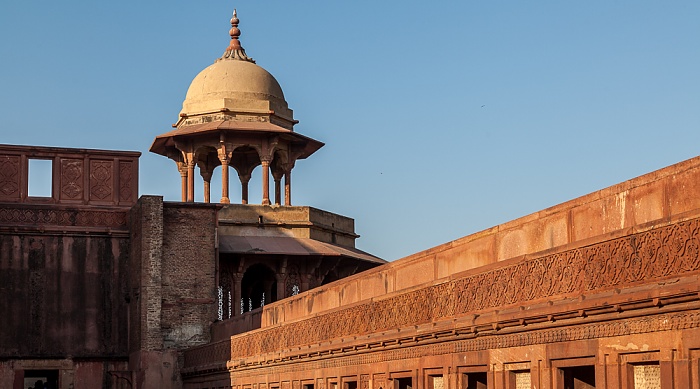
(236, 325)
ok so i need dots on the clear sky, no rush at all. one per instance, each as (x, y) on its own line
(440, 118)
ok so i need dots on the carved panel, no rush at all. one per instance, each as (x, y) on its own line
(125, 181)
(72, 179)
(380, 381)
(364, 381)
(101, 180)
(10, 178)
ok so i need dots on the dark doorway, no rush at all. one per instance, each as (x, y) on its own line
(41, 379)
(579, 377)
(475, 380)
(404, 383)
(258, 287)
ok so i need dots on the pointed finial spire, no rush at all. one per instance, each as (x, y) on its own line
(234, 49)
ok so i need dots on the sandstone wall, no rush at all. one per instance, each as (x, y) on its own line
(652, 200)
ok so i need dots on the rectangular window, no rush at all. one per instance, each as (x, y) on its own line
(48, 378)
(350, 385)
(475, 380)
(404, 383)
(579, 377)
(40, 177)
(436, 382)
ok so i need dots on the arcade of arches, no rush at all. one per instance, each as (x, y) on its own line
(249, 282)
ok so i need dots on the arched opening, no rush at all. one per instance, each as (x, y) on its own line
(258, 287)
(244, 159)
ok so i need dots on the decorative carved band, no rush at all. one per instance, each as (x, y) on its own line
(656, 323)
(15, 216)
(650, 255)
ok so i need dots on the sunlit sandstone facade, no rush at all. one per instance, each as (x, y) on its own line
(598, 292)
(102, 288)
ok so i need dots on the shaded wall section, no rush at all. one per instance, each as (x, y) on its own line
(63, 295)
(64, 256)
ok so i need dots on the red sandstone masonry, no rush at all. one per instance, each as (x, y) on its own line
(642, 203)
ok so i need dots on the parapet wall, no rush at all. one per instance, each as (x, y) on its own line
(649, 201)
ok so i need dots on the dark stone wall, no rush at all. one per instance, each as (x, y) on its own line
(63, 295)
(189, 273)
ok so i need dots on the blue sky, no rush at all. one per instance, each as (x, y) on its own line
(440, 119)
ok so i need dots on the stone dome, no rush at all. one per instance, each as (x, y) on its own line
(235, 85)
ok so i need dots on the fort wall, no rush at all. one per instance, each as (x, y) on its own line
(600, 291)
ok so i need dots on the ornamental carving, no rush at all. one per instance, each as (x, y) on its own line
(101, 180)
(629, 326)
(9, 177)
(125, 181)
(78, 218)
(651, 255)
(72, 179)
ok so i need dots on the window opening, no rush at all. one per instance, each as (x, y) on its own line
(476, 380)
(295, 289)
(40, 177)
(41, 379)
(579, 377)
(404, 383)
(437, 382)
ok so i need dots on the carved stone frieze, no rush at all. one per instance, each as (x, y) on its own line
(11, 216)
(650, 255)
(641, 325)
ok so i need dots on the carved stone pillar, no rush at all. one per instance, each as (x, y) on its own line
(266, 182)
(288, 188)
(278, 191)
(182, 168)
(206, 176)
(190, 178)
(223, 157)
(236, 289)
(244, 188)
(281, 282)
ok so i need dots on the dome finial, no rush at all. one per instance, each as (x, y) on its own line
(234, 49)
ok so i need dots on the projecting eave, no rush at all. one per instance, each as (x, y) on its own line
(165, 141)
(283, 245)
